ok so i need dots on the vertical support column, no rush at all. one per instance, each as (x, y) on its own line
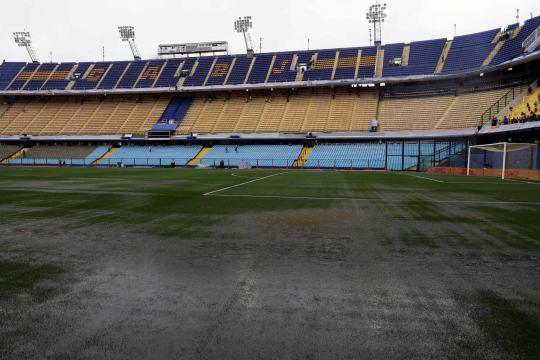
(386, 155)
(469, 162)
(504, 162)
(402, 155)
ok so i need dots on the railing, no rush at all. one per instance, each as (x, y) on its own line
(390, 161)
(379, 164)
(502, 103)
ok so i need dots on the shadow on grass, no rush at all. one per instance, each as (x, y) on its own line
(512, 329)
(18, 277)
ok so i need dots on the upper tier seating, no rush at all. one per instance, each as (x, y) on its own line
(256, 155)
(199, 76)
(467, 52)
(281, 71)
(346, 64)
(40, 76)
(114, 75)
(260, 69)
(153, 155)
(8, 71)
(170, 74)
(221, 69)
(513, 46)
(322, 68)
(52, 155)
(150, 74)
(423, 58)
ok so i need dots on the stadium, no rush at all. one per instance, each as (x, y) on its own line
(376, 201)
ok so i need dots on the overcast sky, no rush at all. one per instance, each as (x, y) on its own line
(76, 30)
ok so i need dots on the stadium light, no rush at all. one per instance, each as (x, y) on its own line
(127, 34)
(242, 26)
(23, 39)
(376, 15)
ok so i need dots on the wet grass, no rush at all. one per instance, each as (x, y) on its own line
(514, 330)
(23, 277)
(169, 203)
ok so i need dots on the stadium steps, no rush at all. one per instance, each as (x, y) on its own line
(405, 56)
(357, 68)
(446, 113)
(17, 155)
(379, 64)
(516, 32)
(139, 77)
(122, 76)
(210, 71)
(31, 77)
(107, 155)
(15, 78)
(250, 69)
(270, 69)
(103, 77)
(493, 53)
(160, 73)
(335, 64)
(230, 71)
(304, 155)
(444, 56)
(197, 159)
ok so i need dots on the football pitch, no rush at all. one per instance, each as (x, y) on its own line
(210, 264)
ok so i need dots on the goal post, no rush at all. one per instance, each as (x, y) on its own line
(502, 159)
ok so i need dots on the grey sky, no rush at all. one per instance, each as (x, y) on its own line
(75, 30)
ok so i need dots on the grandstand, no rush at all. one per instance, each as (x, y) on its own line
(447, 90)
(357, 201)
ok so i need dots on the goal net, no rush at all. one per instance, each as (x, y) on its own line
(504, 160)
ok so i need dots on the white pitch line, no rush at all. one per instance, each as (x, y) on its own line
(244, 183)
(372, 199)
(423, 177)
(524, 182)
(293, 197)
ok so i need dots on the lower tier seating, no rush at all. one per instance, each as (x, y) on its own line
(376, 156)
(53, 155)
(153, 155)
(8, 150)
(255, 155)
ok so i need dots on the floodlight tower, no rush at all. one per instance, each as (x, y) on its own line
(243, 25)
(127, 34)
(23, 39)
(376, 15)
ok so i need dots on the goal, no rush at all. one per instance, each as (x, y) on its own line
(504, 160)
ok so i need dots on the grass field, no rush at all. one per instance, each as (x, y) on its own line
(207, 264)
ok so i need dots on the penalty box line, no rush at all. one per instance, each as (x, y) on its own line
(242, 184)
